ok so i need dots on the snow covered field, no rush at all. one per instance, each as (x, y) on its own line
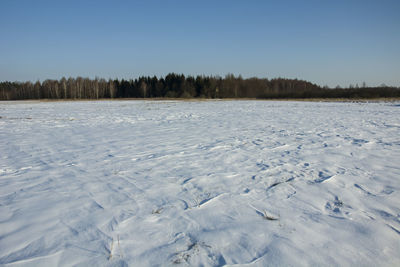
(212, 183)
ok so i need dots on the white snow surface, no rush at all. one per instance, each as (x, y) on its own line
(207, 183)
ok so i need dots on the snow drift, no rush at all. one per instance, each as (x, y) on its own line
(209, 183)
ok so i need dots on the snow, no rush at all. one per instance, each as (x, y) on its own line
(207, 183)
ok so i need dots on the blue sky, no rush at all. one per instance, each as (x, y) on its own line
(326, 42)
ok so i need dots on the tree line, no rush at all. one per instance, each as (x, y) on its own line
(181, 86)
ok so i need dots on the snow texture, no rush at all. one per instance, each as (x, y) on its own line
(207, 183)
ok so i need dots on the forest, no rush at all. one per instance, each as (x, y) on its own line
(181, 86)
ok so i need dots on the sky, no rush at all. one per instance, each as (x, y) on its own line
(323, 41)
